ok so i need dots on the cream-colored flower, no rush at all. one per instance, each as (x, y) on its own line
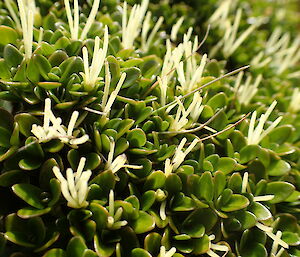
(255, 135)
(164, 253)
(115, 164)
(26, 15)
(261, 198)
(216, 247)
(113, 220)
(53, 129)
(91, 73)
(74, 21)
(75, 187)
(131, 29)
(179, 156)
(277, 241)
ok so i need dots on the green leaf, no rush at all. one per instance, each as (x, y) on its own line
(30, 194)
(12, 177)
(281, 190)
(201, 245)
(144, 223)
(139, 252)
(18, 238)
(76, 247)
(29, 212)
(148, 199)
(155, 180)
(291, 238)
(279, 168)
(55, 252)
(255, 250)
(260, 211)
(152, 242)
(12, 56)
(100, 215)
(25, 121)
(236, 202)
(8, 35)
(132, 74)
(136, 137)
(101, 249)
(226, 165)
(206, 186)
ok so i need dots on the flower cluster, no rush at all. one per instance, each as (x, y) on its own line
(53, 129)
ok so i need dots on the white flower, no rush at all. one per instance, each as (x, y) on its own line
(107, 102)
(171, 61)
(216, 247)
(190, 74)
(181, 120)
(91, 73)
(146, 42)
(179, 156)
(48, 132)
(119, 162)
(295, 101)
(164, 253)
(75, 187)
(132, 28)
(231, 41)
(176, 28)
(74, 22)
(26, 14)
(280, 53)
(276, 238)
(245, 92)
(222, 12)
(255, 135)
(261, 198)
(113, 220)
(12, 12)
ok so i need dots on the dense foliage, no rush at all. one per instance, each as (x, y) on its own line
(138, 129)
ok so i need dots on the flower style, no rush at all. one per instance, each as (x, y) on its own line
(91, 73)
(294, 103)
(221, 248)
(261, 198)
(279, 52)
(131, 28)
(179, 156)
(190, 75)
(171, 61)
(146, 42)
(12, 12)
(222, 12)
(75, 187)
(164, 253)
(255, 135)
(276, 239)
(175, 28)
(231, 41)
(74, 22)
(245, 92)
(194, 110)
(107, 102)
(48, 132)
(119, 162)
(27, 27)
(113, 220)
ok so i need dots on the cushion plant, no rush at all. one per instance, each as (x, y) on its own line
(120, 135)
